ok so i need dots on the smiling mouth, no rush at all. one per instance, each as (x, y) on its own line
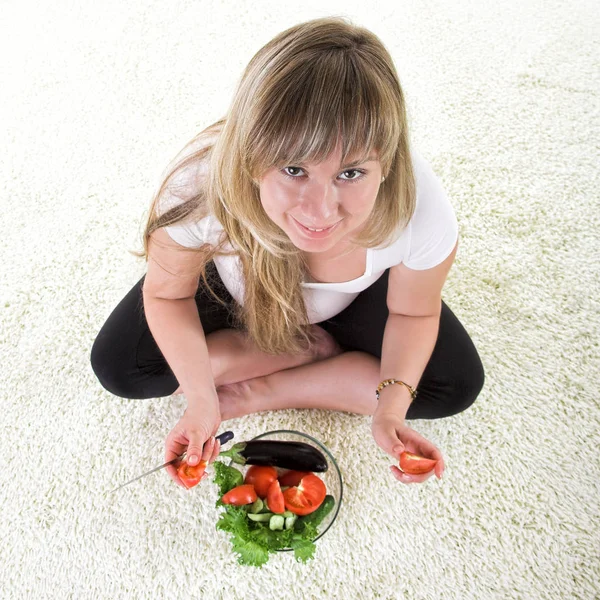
(316, 229)
(321, 229)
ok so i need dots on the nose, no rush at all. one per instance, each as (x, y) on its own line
(319, 204)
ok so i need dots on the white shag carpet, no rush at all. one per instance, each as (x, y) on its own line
(96, 100)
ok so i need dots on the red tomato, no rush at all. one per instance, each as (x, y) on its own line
(275, 498)
(191, 475)
(261, 478)
(415, 464)
(292, 478)
(306, 497)
(240, 495)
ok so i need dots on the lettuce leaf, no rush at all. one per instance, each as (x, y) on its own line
(251, 540)
(226, 478)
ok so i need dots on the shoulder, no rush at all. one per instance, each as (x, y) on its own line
(186, 173)
(433, 228)
(183, 180)
(432, 231)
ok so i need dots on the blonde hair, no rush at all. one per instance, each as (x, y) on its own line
(317, 83)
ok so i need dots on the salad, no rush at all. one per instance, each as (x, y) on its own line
(269, 509)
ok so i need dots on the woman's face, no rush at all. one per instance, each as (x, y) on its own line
(319, 205)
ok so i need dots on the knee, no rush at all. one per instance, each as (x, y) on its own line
(108, 369)
(466, 387)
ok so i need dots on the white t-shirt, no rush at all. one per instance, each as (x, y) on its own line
(427, 240)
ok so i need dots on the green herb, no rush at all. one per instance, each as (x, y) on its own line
(226, 478)
(251, 540)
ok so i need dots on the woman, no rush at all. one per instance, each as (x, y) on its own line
(296, 253)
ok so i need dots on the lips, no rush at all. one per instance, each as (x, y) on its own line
(315, 232)
(318, 228)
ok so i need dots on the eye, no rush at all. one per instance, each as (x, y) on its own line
(350, 175)
(292, 169)
(359, 174)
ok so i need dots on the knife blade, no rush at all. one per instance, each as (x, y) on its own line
(223, 438)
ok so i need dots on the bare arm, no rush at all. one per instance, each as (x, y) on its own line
(168, 293)
(414, 303)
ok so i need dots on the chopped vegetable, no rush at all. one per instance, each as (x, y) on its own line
(240, 495)
(257, 506)
(290, 520)
(415, 464)
(275, 498)
(261, 477)
(276, 523)
(226, 478)
(191, 475)
(306, 497)
(261, 518)
(292, 478)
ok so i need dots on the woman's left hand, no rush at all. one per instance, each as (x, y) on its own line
(394, 437)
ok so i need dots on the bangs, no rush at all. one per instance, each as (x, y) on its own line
(316, 103)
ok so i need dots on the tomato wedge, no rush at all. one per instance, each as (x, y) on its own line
(306, 497)
(240, 495)
(191, 475)
(275, 498)
(261, 478)
(292, 478)
(415, 464)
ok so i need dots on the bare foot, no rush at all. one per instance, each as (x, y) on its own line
(242, 398)
(325, 347)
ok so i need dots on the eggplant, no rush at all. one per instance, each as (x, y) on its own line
(273, 453)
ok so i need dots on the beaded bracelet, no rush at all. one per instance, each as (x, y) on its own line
(386, 382)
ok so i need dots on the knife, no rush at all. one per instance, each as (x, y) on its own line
(223, 438)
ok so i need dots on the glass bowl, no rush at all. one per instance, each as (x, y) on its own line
(332, 477)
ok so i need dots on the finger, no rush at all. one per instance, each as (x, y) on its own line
(400, 476)
(439, 468)
(216, 451)
(195, 450)
(173, 449)
(390, 442)
(207, 450)
(172, 471)
(410, 477)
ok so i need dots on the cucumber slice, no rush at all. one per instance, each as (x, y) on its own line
(276, 523)
(260, 518)
(256, 507)
(288, 513)
(289, 521)
(265, 507)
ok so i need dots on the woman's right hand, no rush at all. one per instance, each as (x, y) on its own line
(194, 433)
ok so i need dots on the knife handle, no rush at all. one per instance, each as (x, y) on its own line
(225, 437)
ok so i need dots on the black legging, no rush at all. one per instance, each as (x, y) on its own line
(129, 363)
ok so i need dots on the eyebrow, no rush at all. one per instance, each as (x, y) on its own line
(359, 162)
(349, 165)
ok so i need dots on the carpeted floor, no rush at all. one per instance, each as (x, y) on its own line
(503, 99)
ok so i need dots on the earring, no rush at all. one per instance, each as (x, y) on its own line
(383, 179)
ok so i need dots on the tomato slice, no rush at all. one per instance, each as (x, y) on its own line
(275, 498)
(292, 478)
(261, 478)
(240, 495)
(191, 475)
(415, 464)
(306, 497)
